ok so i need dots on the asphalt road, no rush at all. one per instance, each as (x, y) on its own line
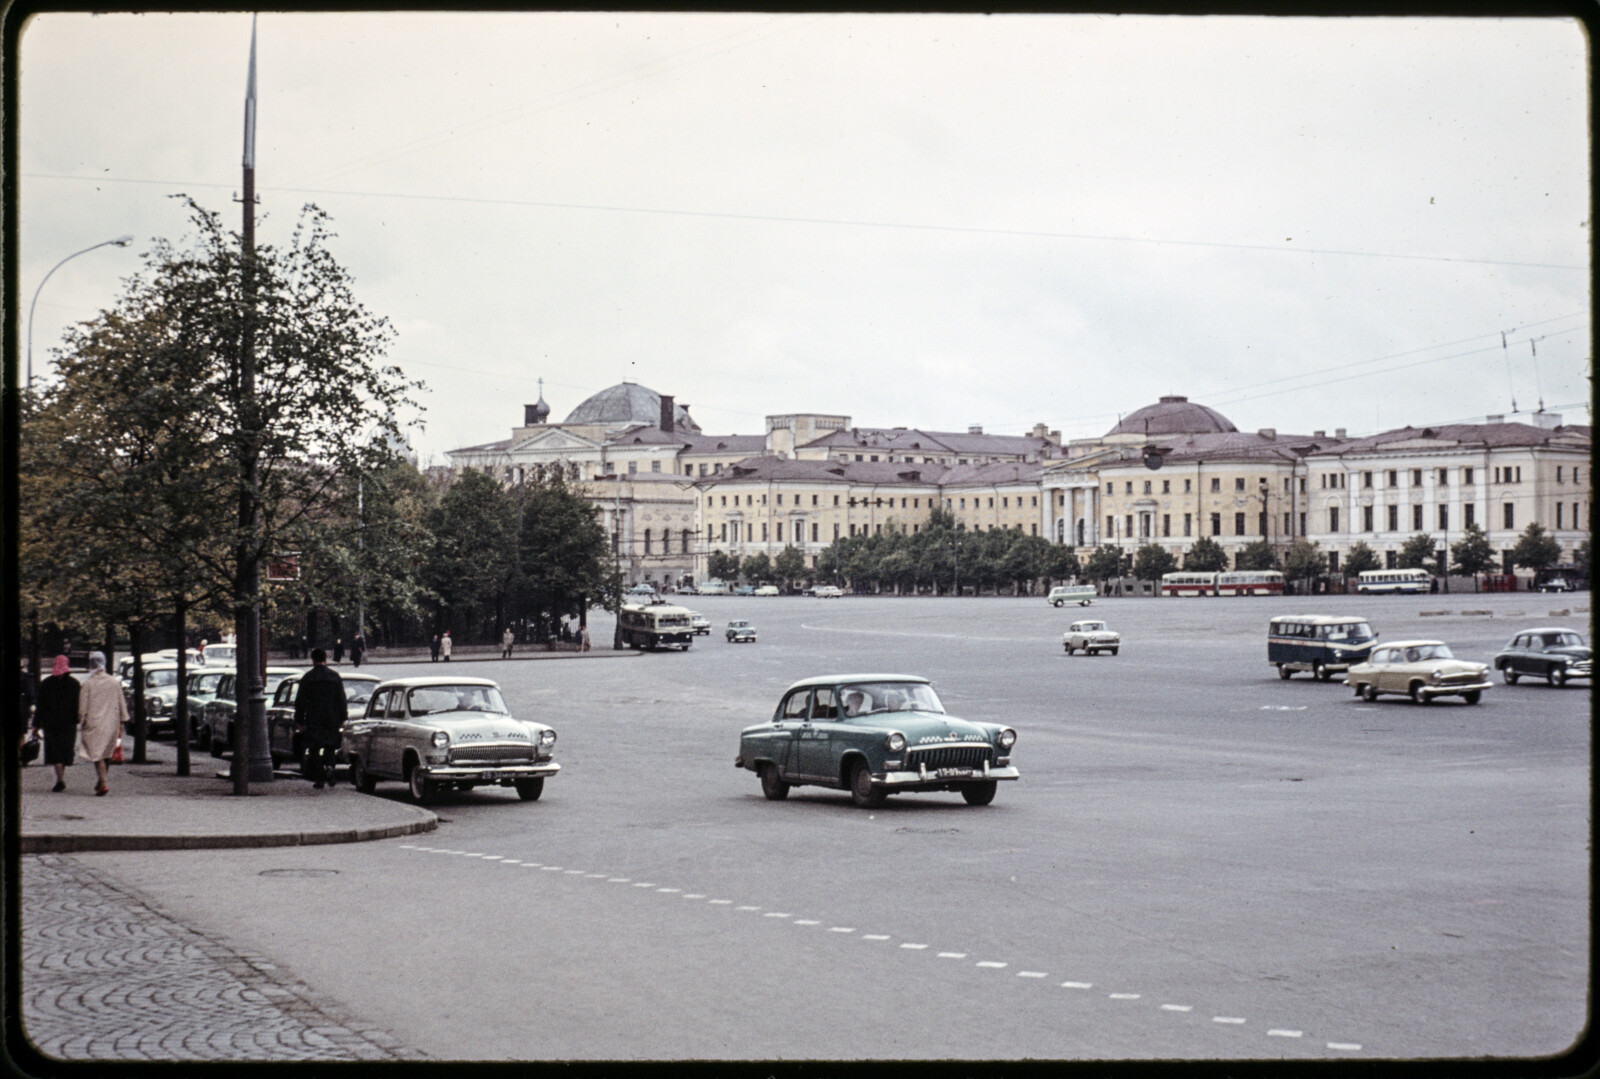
(1200, 861)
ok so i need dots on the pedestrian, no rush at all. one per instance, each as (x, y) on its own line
(358, 648)
(433, 649)
(56, 715)
(305, 645)
(444, 646)
(338, 649)
(583, 638)
(506, 640)
(102, 712)
(319, 712)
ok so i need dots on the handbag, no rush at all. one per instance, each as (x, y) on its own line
(116, 754)
(31, 746)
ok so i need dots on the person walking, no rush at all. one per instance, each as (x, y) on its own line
(358, 647)
(102, 712)
(444, 646)
(319, 713)
(583, 638)
(433, 649)
(506, 640)
(338, 649)
(56, 716)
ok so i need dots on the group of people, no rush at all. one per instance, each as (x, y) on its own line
(440, 646)
(80, 720)
(301, 645)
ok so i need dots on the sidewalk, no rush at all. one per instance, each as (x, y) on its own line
(469, 653)
(150, 807)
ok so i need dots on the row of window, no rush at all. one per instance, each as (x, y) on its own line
(1145, 522)
(720, 533)
(880, 501)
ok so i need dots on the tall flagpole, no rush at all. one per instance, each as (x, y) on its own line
(252, 757)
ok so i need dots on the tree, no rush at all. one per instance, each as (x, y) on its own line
(756, 568)
(1472, 554)
(1580, 555)
(1060, 563)
(722, 566)
(563, 556)
(790, 565)
(1153, 561)
(1256, 556)
(473, 554)
(1206, 556)
(1304, 560)
(1416, 552)
(1103, 564)
(1360, 558)
(1535, 549)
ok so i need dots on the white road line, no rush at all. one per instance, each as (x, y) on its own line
(992, 964)
(914, 947)
(532, 865)
(1177, 1007)
(1283, 1033)
(839, 929)
(551, 868)
(618, 880)
(1226, 1019)
(747, 908)
(579, 871)
(644, 884)
(474, 854)
(511, 861)
(1031, 974)
(492, 857)
(1077, 985)
(722, 902)
(806, 921)
(669, 889)
(693, 895)
(1124, 996)
(594, 876)
(952, 955)
(774, 914)
(1351, 1046)
(874, 936)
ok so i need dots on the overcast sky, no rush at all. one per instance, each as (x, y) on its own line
(922, 221)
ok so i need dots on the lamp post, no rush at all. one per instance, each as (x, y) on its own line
(120, 241)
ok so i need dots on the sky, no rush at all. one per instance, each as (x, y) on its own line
(926, 221)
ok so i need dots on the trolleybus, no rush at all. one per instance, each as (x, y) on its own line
(655, 625)
(1373, 581)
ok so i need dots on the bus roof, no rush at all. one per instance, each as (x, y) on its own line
(1319, 619)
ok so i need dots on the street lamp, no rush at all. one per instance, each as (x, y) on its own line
(120, 241)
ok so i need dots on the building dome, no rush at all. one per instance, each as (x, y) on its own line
(1173, 415)
(629, 403)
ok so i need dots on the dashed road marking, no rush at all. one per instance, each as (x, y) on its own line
(644, 884)
(722, 902)
(619, 880)
(551, 868)
(952, 955)
(511, 861)
(874, 936)
(1031, 974)
(693, 895)
(992, 964)
(1124, 996)
(1348, 1046)
(491, 857)
(806, 921)
(1235, 1020)
(914, 947)
(839, 929)
(669, 889)
(1283, 1033)
(747, 908)
(594, 876)
(577, 871)
(774, 914)
(1177, 1007)
(1077, 985)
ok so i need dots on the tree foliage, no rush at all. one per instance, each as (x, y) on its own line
(1206, 556)
(1257, 555)
(1416, 553)
(1535, 549)
(1153, 561)
(1103, 564)
(1304, 560)
(1360, 558)
(1472, 554)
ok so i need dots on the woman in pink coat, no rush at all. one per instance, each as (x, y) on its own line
(101, 715)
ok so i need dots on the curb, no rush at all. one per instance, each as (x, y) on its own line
(70, 844)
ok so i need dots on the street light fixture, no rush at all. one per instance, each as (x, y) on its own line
(120, 241)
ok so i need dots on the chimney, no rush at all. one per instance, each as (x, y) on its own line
(1319, 434)
(530, 415)
(1547, 421)
(666, 413)
(1497, 418)
(1269, 433)
(1338, 432)
(975, 429)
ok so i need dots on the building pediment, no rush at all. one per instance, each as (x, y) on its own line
(555, 440)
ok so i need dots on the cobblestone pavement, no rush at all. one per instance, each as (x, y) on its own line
(106, 977)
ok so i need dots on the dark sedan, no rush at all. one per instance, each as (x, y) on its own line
(1552, 653)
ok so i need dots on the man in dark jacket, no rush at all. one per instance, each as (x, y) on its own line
(319, 712)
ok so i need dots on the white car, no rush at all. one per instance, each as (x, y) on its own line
(700, 623)
(767, 590)
(1091, 637)
(827, 591)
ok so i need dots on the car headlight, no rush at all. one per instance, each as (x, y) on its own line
(547, 738)
(441, 739)
(1433, 676)
(896, 741)
(1008, 738)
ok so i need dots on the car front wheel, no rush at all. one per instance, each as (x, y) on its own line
(1509, 676)
(1417, 696)
(1284, 672)
(979, 794)
(360, 778)
(772, 786)
(1320, 673)
(421, 787)
(530, 789)
(1368, 691)
(1471, 696)
(862, 792)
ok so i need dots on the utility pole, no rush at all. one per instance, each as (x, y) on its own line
(252, 760)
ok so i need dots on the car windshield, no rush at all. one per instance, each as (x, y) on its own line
(867, 698)
(273, 681)
(1091, 627)
(358, 691)
(1562, 640)
(424, 700)
(1348, 631)
(161, 678)
(1418, 652)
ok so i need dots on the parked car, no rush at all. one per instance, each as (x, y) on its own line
(1092, 637)
(215, 731)
(827, 591)
(1421, 670)
(712, 588)
(701, 624)
(220, 655)
(640, 589)
(282, 739)
(1081, 594)
(436, 733)
(1555, 654)
(201, 689)
(740, 629)
(160, 693)
(874, 735)
(767, 590)
(745, 590)
(1557, 584)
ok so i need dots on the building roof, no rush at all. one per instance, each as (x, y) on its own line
(1237, 446)
(791, 470)
(999, 472)
(1497, 435)
(749, 445)
(1172, 415)
(628, 403)
(909, 440)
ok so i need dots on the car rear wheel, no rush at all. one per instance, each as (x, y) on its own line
(772, 786)
(360, 778)
(979, 794)
(862, 792)
(1320, 673)
(530, 789)
(1509, 676)
(1369, 692)
(1417, 696)
(423, 790)
(1284, 672)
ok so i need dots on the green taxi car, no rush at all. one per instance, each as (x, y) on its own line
(875, 735)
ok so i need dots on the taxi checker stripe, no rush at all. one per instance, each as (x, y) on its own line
(1275, 1032)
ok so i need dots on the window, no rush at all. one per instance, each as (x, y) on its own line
(1416, 477)
(1111, 526)
(1469, 515)
(779, 535)
(1187, 523)
(655, 466)
(963, 503)
(1238, 483)
(1216, 524)
(1287, 521)
(725, 500)
(1366, 479)
(1111, 488)
(1558, 473)
(835, 500)
(1444, 518)
(633, 466)
(991, 503)
(1366, 519)
(647, 541)
(1558, 515)
(1216, 485)
(813, 500)
(1130, 487)
(1416, 518)
(1394, 478)
(1127, 528)
(874, 457)
(1394, 518)
(1510, 516)
(1187, 487)
(780, 499)
(836, 530)
(1238, 522)
(813, 531)
(1166, 526)
(1333, 518)
(1146, 486)
(1261, 523)
(1302, 523)
(1444, 477)
(723, 533)
(1166, 487)
(1466, 476)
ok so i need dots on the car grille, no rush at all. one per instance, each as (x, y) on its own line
(1580, 668)
(513, 751)
(1465, 678)
(951, 756)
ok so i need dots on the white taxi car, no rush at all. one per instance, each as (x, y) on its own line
(1091, 637)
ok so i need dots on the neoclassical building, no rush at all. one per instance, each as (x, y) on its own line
(670, 494)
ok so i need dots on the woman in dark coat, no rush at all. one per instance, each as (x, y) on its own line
(56, 715)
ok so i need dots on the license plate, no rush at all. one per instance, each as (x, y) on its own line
(487, 777)
(953, 773)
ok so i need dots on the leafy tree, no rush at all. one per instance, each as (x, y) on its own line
(789, 565)
(757, 568)
(473, 555)
(1580, 555)
(1416, 552)
(1060, 563)
(1304, 560)
(1153, 561)
(563, 555)
(1103, 564)
(1256, 556)
(1360, 558)
(722, 566)
(1535, 549)
(1472, 554)
(1206, 556)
